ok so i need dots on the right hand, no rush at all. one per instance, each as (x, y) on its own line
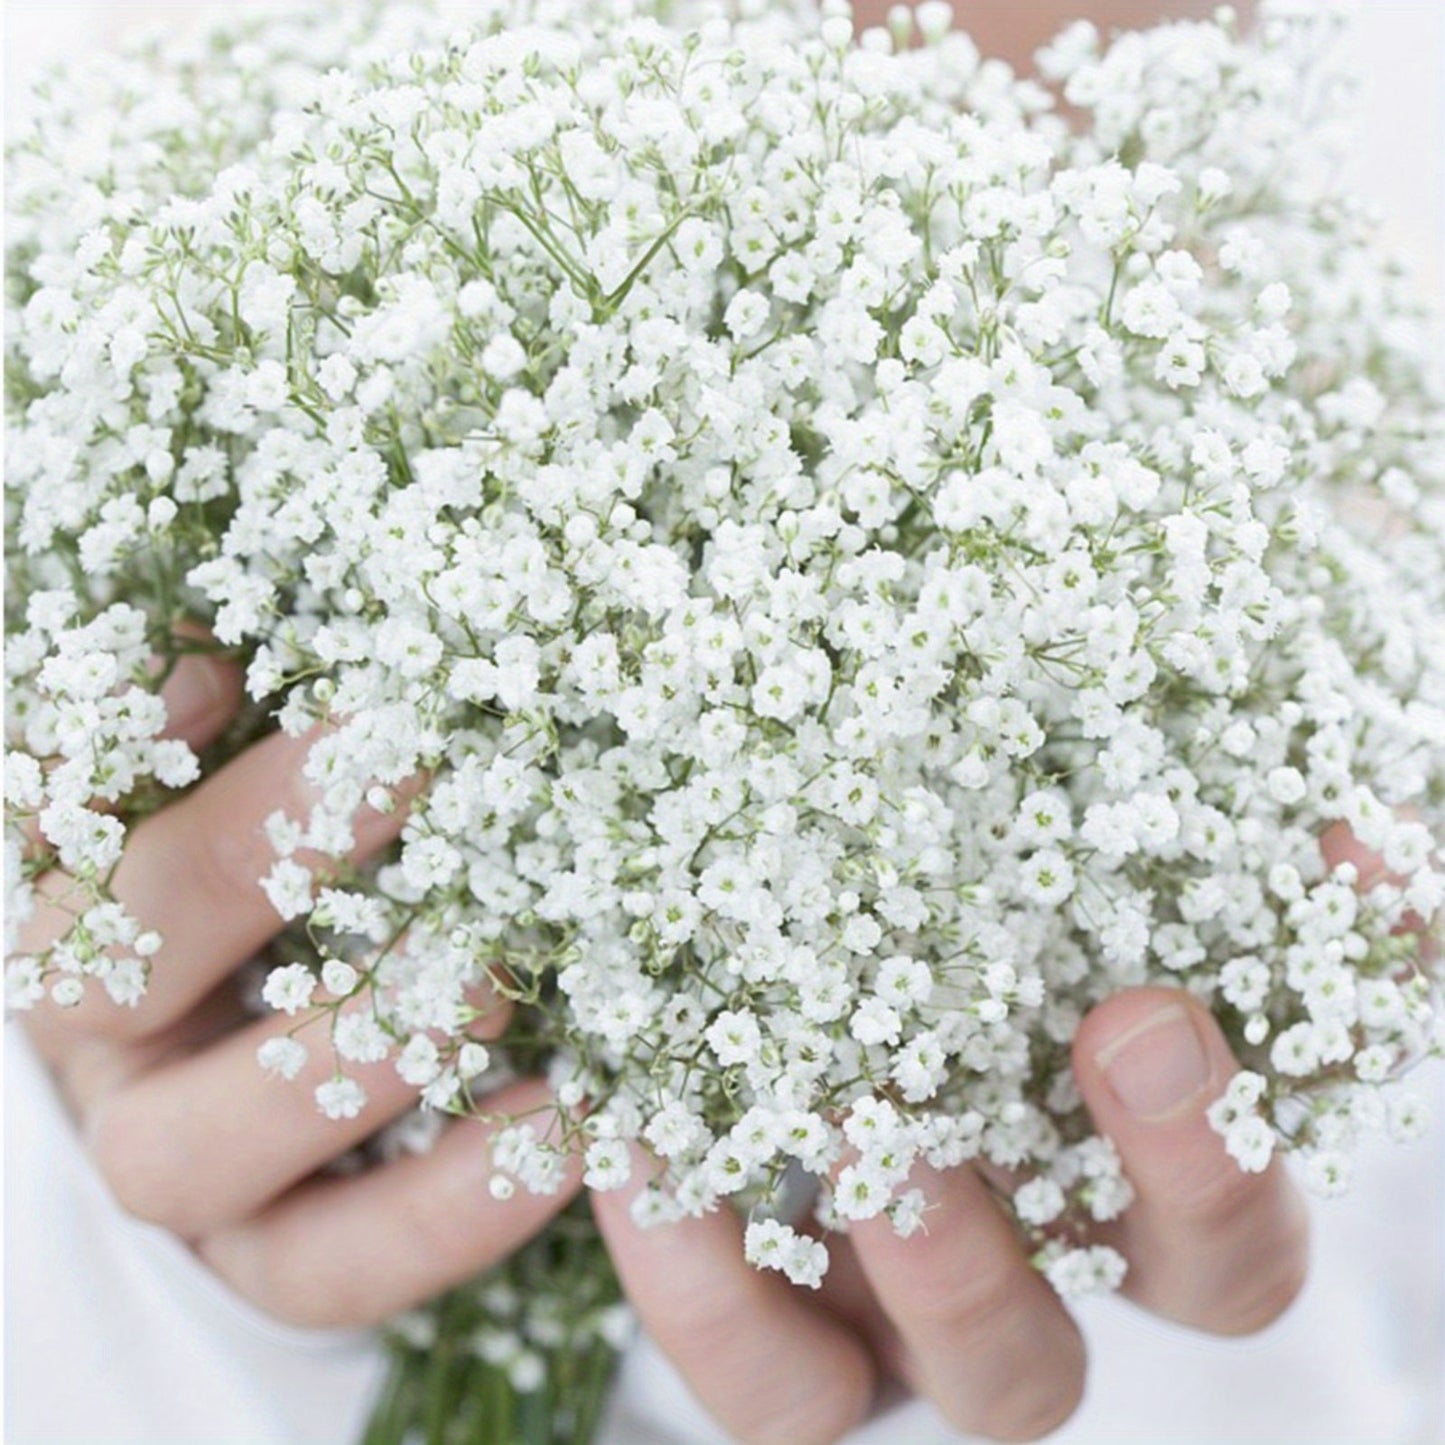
(1010, 31)
(956, 1313)
(183, 1124)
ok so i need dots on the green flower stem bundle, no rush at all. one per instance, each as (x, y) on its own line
(867, 568)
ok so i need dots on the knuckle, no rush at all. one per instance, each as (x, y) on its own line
(283, 1283)
(428, 1218)
(1015, 1367)
(1234, 1268)
(972, 1302)
(317, 1305)
(230, 855)
(431, 1226)
(135, 1156)
(1214, 1198)
(223, 860)
(817, 1428)
(707, 1325)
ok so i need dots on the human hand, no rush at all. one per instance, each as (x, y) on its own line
(956, 1311)
(1006, 30)
(183, 1124)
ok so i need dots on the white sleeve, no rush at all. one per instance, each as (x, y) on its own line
(117, 1335)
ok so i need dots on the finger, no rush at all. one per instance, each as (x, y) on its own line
(351, 1251)
(202, 692)
(1209, 1245)
(88, 1070)
(985, 1338)
(847, 1294)
(192, 871)
(212, 1138)
(1338, 844)
(757, 1353)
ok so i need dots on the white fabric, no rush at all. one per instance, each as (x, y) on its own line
(116, 1335)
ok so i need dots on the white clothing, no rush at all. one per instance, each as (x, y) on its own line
(117, 1335)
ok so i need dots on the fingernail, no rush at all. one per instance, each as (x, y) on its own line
(1158, 1066)
(194, 690)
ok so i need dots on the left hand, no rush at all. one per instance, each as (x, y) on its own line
(956, 1312)
(181, 1122)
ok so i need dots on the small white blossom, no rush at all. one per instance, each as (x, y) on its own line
(282, 1055)
(771, 1245)
(608, 1164)
(338, 977)
(289, 988)
(419, 1063)
(1078, 1273)
(1250, 1141)
(1040, 1201)
(340, 1098)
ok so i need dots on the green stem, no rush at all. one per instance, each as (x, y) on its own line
(444, 1392)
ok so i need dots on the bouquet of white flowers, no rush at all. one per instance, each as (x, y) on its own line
(868, 566)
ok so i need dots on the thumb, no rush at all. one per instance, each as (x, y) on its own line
(1208, 1244)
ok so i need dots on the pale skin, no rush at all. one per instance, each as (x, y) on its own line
(190, 1134)
(1014, 29)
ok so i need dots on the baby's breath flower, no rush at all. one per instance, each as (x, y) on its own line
(771, 1245)
(340, 1098)
(282, 1055)
(289, 988)
(864, 571)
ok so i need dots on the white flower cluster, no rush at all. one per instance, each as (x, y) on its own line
(867, 568)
